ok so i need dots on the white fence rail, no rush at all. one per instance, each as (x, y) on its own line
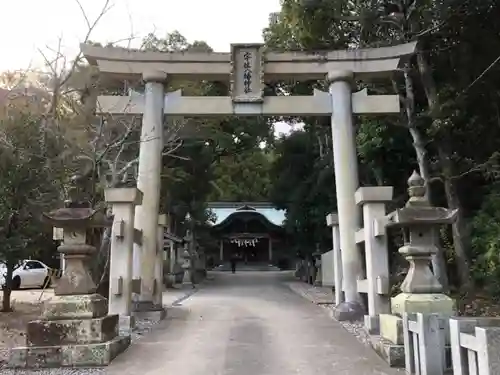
(474, 342)
(475, 346)
(424, 340)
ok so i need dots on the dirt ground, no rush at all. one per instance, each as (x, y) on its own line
(27, 306)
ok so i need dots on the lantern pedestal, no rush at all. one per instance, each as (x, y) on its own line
(75, 329)
(421, 291)
(147, 310)
(422, 303)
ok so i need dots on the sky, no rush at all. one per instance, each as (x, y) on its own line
(30, 27)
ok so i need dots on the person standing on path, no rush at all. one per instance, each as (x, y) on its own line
(233, 263)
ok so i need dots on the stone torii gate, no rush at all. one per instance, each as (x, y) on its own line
(247, 68)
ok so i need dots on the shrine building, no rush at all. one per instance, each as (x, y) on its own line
(252, 232)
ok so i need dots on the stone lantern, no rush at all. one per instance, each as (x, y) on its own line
(187, 264)
(75, 329)
(202, 255)
(317, 266)
(420, 291)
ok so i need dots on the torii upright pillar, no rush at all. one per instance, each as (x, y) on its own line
(346, 182)
(148, 181)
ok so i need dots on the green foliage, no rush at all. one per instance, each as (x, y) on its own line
(31, 177)
(303, 175)
(455, 90)
(384, 152)
(303, 185)
(242, 177)
(486, 244)
(31, 164)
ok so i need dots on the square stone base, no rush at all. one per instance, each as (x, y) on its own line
(85, 306)
(372, 324)
(126, 325)
(348, 311)
(393, 354)
(153, 315)
(87, 355)
(391, 328)
(71, 332)
(147, 310)
(169, 281)
(422, 303)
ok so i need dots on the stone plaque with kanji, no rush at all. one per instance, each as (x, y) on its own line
(247, 73)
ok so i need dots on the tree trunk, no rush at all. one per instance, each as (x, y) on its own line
(444, 155)
(418, 139)
(6, 307)
(103, 257)
(439, 264)
(438, 261)
(421, 153)
(459, 229)
(7, 290)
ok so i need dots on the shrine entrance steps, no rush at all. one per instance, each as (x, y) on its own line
(250, 266)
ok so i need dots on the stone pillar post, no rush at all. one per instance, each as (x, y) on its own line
(346, 180)
(158, 295)
(270, 250)
(332, 220)
(221, 251)
(173, 258)
(58, 235)
(187, 265)
(136, 264)
(148, 181)
(318, 280)
(124, 201)
(178, 254)
(171, 254)
(373, 200)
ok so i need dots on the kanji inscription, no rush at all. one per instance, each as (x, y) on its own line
(247, 73)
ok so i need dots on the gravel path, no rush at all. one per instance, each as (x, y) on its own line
(243, 324)
(319, 295)
(246, 324)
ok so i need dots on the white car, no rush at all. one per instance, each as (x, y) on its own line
(28, 274)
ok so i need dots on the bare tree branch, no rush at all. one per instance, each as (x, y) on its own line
(91, 26)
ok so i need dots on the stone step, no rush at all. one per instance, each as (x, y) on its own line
(85, 355)
(247, 267)
(74, 331)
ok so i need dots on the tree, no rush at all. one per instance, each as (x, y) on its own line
(32, 171)
(242, 177)
(428, 90)
(302, 183)
(446, 99)
(49, 125)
